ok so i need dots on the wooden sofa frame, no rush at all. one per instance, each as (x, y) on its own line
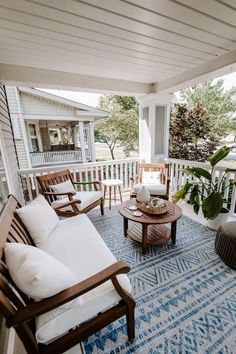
(20, 311)
(164, 169)
(45, 181)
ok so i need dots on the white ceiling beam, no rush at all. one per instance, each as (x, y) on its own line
(219, 66)
(33, 77)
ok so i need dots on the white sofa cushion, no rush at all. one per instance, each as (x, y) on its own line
(86, 198)
(35, 272)
(154, 189)
(76, 243)
(64, 187)
(39, 219)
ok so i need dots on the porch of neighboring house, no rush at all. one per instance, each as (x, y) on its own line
(49, 129)
(58, 142)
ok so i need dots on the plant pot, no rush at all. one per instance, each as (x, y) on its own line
(222, 218)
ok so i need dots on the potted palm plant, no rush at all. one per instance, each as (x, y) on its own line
(206, 193)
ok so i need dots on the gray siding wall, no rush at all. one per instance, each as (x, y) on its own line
(9, 144)
(20, 143)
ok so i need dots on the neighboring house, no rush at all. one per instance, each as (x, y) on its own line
(49, 129)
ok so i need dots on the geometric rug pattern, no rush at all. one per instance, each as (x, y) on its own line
(185, 295)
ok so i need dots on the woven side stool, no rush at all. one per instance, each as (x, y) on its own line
(225, 243)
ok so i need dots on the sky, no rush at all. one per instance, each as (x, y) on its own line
(91, 99)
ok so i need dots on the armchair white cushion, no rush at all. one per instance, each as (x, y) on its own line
(39, 219)
(151, 181)
(64, 187)
(76, 243)
(86, 198)
(151, 177)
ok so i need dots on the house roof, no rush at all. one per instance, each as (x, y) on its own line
(134, 46)
(84, 110)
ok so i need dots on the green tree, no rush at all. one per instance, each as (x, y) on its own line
(122, 124)
(202, 119)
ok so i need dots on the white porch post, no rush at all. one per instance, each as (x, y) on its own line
(154, 111)
(38, 134)
(92, 142)
(82, 144)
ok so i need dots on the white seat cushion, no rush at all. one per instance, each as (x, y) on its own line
(154, 189)
(77, 244)
(87, 198)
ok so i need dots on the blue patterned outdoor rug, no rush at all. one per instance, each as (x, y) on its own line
(185, 295)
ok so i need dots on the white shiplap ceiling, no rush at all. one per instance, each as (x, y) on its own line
(142, 41)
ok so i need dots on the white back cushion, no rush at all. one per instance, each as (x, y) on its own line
(39, 218)
(35, 272)
(64, 187)
(151, 177)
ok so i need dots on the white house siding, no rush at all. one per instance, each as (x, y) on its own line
(40, 106)
(10, 161)
(19, 141)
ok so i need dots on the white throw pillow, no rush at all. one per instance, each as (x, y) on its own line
(64, 187)
(39, 218)
(36, 273)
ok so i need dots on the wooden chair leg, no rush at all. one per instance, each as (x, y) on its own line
(104, 193)
(130, 322)
(102, 207)
(115, 194)
(120, 193)
(110, 198)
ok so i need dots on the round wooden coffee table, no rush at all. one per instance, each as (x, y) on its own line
(150, 229)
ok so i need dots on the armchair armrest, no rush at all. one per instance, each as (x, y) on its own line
(60, 194)
(40, 307)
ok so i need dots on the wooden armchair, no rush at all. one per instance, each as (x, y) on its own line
(155, 177)
(21, 311)
(74, 202)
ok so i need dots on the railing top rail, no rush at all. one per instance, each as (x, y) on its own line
(54, 152)
(199, 164)
(75, 166)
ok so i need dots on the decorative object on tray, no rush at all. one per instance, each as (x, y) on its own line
(143, 196)
(155, 206)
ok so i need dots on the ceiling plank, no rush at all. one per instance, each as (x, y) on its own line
(188, 16)
(74, 11)
(156, 20)
(111, 34)
(18, 29)
(213, 9)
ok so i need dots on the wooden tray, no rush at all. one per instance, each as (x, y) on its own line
(153, 211)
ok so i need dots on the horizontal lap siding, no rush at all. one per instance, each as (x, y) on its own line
(9, 143)
(20, 144)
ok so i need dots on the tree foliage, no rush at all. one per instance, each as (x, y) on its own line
(201, 120)
(122, 124)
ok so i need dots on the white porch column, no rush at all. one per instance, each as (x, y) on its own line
(92, 142)
(154, 114)
(38, 134)
(82, 143)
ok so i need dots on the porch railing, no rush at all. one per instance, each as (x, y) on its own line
(54, 157)
(119, 169)
(179, 178)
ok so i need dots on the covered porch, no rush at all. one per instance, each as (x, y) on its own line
(147, 50)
